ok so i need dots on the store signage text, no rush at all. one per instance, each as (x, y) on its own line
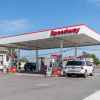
(64, 31)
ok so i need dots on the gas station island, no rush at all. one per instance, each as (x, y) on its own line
(72, 36)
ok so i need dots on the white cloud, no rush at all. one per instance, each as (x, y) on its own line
(13, 26)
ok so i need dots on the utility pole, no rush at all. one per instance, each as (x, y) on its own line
(37, 62)
(76, 51)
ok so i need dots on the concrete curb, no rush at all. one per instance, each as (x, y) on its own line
(25, 74)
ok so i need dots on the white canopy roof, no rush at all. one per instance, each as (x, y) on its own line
(78, 35)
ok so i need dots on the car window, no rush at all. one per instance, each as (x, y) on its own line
(77, 63)
(88, 63)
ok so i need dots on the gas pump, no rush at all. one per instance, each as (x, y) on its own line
(56, 60)
(56, 64)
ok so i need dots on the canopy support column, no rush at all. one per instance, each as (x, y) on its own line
(18, 54)
(61, 52)
(37, 62)
(76, 51)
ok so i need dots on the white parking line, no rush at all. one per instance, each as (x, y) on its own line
(94, 96)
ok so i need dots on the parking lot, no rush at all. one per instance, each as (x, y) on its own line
(32, 87)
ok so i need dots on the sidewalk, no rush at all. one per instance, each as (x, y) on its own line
(29, 74)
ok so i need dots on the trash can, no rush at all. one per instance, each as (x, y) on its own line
(56, 71)
(13, 69)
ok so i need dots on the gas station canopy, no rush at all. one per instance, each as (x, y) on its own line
(78, 35)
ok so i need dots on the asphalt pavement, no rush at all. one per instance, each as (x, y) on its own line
(30, 87)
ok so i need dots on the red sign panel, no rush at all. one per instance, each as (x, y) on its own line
(64, 31)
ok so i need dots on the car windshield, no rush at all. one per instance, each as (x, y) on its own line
(76, 63)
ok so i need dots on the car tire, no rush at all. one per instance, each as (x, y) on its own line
(64, 74)
(91, 74)
(85, 75)
(69, 75)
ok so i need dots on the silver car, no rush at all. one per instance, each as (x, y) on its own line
(83, 68)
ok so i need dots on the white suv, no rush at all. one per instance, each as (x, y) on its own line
(84, 68)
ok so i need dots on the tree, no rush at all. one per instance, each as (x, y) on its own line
(95, 59)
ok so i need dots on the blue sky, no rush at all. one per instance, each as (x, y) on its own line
(19, 16)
